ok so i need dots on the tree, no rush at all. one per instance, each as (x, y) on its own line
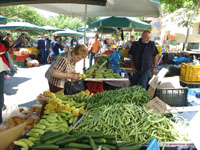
(191, 10)
(26, 13)
(62, 21)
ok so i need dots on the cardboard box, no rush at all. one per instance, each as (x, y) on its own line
(9, 136)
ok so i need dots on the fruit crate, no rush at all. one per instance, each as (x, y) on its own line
(190, 84)
(21, 58)
(190, 73)
(19, 64)
(173, 97)
(95, 87)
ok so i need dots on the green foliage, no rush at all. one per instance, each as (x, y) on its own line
(62, 21)
(26, 13)
(173, 5)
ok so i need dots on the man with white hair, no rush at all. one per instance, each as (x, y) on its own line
(143, 59)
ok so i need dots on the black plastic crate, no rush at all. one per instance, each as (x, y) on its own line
(173, 97)
(189, 85)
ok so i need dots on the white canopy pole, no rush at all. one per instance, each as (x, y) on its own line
(85, 23)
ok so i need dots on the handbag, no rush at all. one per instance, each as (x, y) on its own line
(71, 88)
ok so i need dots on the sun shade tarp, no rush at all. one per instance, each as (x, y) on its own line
(120, 22)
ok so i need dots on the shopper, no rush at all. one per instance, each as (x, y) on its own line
(8, 39)
(95, 47)
(41, 47)
(63, 68)
(55, 46)
(143, 59)
(129, 43)
(47, 47)
(4, 66)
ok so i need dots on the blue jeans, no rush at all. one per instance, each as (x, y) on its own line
(1, 93)
(92, 56)
(141, 78)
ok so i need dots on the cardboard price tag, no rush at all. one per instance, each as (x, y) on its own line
(158, 106)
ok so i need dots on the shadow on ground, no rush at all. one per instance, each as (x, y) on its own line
(13, 82)
(29, 104)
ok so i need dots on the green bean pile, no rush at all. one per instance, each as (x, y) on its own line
(135, 94)
(129, 122)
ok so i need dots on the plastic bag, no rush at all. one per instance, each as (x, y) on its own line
(114, 59)
(73, 87)
(153, 145)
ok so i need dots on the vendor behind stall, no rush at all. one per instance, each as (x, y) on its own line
(21, 41)
(62, 68)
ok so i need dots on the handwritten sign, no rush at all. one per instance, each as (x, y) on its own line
(158, 106)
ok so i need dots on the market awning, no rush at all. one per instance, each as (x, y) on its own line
(18, 2)
(50, 28)
(131, 8)
(120, 22)
(3, 20)
(68, 32)
(20, 26)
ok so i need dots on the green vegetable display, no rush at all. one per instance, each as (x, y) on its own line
(133, 95)
(129, 122)
(81, 140)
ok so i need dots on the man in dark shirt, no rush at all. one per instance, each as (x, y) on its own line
(143, 58)
(41, 47)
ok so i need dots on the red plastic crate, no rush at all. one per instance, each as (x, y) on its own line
(95, 87)
(21, 58)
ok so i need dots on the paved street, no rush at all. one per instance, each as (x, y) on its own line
(24, 87)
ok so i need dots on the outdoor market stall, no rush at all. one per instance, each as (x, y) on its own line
(113, 119)
(19, 55)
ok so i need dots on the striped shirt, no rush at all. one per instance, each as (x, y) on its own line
(62, 63)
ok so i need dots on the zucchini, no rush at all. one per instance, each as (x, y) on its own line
(109, 137)
(70, 149)
(97, 141)
(112, 142)
(52, 141)
(105, 148)
(134, 147)
(65, 141)
(52, 135)
(81, 146)
(94, 134)
(92, 143)
(46, 147)
(112, 147)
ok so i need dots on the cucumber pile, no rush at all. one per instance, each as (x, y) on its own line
(81, 141)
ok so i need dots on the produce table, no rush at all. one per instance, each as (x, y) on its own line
(119, 83)
(106, 79)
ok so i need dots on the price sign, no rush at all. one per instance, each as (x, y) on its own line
(158, 106)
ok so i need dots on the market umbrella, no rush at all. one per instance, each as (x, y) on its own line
(18, 2)
(99, 30)
(3, 20)
(120, 22)
(20, 26)
(50, 28)
(131, 8)
(68, 32)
